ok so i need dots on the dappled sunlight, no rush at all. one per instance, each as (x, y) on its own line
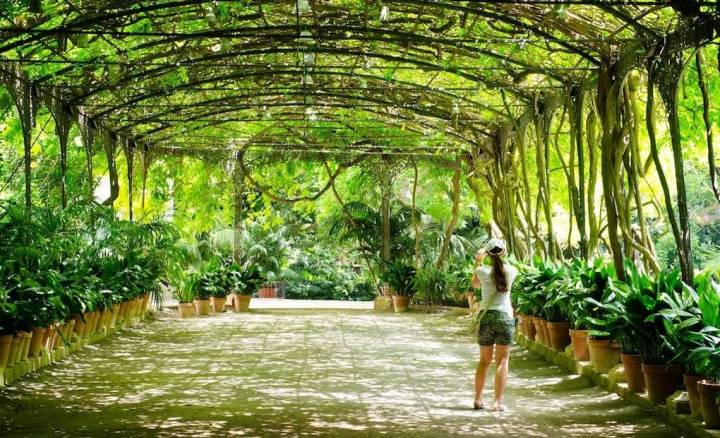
(313, 373)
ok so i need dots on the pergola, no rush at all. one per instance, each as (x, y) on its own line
(445, 81)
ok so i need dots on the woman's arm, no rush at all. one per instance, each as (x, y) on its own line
(478, 261)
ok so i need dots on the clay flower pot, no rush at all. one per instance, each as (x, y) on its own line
(27, 338)
(559, 335)
(633, 372)
(400, 303)
(218, 304)
(241, 303)
(36, 343)
(115, 315)
(145, 303)
(709, 393)
(267, 292)
(520, 325)
(661, 381)
(546, 332)
(202, 307)
(604, 355)
(186, 309)
(581, 352)
(539, 332)
(5, 343)
(530, 331)
(15, 346)
(48, 341)
(691, 384)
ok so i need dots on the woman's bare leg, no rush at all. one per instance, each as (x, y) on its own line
(502, 359)
(486, 356)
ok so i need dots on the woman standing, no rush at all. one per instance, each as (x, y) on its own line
(497, 323)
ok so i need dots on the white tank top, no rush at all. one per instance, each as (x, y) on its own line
(491, 299)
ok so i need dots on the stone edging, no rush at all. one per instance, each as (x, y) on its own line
(614, 381)
(46, 358)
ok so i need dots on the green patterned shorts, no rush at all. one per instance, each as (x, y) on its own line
(496, 327)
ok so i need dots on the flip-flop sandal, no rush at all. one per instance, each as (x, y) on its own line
(499, 407)
(478, 406)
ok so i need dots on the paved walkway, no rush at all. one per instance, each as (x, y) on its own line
(304, 373)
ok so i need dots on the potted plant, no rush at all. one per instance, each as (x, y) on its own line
(527, 303)
(430, 285)
(245, 280)
(400, 278)
(708, 362)
(185, 294)
(588, 281)
(604, 353)
(661, 297)
(623, 319)
(555, 310)
(461, 283)
(221, 282)
(206, 287)
(695, 337)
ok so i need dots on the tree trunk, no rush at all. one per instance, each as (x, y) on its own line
(440, 262)
(238, 191)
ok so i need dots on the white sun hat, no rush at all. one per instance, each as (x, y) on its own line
(495, 246)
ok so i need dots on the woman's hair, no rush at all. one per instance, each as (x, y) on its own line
(498, 273)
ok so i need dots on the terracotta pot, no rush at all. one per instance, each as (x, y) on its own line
(15, 346)
(559, 335)
(48, 338)
(94, 322)
(5, 344)
(106, 318)
(79, 327)
(709, 393)
(604, 355)
(661, 381)
(88, 325)
(218, 304)
(400, 303)
(36, 343)
(581, 352)
(267, 292)
(123, 312)
(67, 333)
(202, 307)
(539, 332)
(145, 303)
(115, 315)
(691, 385)
(27, 337)
(633, 372)
(186, 309)
(471, 299)
(520, 326)
(546, 332)
(137, 307)
(241, 303)
(530, 331)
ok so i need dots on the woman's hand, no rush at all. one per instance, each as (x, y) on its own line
(480, 256)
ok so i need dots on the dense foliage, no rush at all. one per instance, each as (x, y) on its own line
(58, 263)
(656, 316)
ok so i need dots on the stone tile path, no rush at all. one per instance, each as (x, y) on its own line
(306, 372)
